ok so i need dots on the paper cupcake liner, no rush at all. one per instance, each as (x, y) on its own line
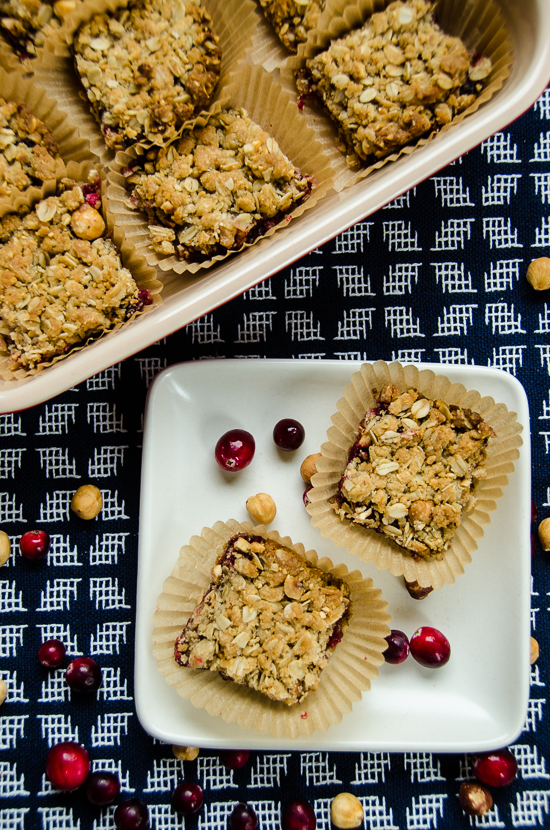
(10, 59)
(479, 23)
(371, 546)
(15, 87)
(350, 670)
(273, 108)
(144, 275)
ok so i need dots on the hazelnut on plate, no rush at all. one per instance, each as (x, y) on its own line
(262, 508)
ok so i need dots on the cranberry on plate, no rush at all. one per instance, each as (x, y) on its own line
(430, 647)
(235, 450)
(288, 434)
(398, 647)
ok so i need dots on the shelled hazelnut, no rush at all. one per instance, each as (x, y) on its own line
(87, 223)
(346, 811)
(534, 651)
(185, 753)
(87, 501)
(5, 547)
(475, 799)
(416, 590)
(262, 508)
(3, 691)
(544, 534)
(309, 466)
(538, 273)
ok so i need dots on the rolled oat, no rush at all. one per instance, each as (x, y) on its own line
(292, 19)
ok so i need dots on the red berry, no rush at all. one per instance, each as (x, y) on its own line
(51, 653)
(398, 647)
(430, 647)
(131, 814)
(235, 450)
(234, 758)
(34, 545)
(298, 815)
(67, 765)
(305, 495)
(83, 674)
(289, 434)
(243, 817)
(187, 798)
(102, 788)
(496, 769)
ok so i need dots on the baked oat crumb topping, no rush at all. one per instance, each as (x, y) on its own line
(413, 469)
(292, 19)
(268, 620)
(394, 80)
(215, 188)
(28, 24)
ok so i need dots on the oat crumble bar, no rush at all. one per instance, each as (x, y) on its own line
(292, 19)
(27, 24)
(61, 278)
(268, 620)
(216, 188)
(412, 470)
(148, 68)
(29, 154)
(394, 80)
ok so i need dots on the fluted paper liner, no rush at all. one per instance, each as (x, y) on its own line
(359, 396)
(274, 109)
(351, 668)
(143, 274)
(479, 23)
(14, 87)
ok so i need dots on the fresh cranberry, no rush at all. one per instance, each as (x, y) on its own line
(496, 769)
(243, 817)
(102, 788)
(83, 674)
(235, 450)
(234, 758)
(187, 798)
(289, 434)
(131, 814)
(305, 495)
(145, 296)
(67, 765)
(430, 647)
(34, 545)
(51, 653)
(398, 647)
(298, 815)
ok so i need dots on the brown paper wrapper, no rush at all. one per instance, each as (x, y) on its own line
(349, 673)
(375, 547)
(270, 105)
(144, 275)
(14, 87)
(479, 23)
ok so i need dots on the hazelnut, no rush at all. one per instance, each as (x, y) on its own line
(538, 273)
(64, 7)
(346, 811)
(5, 547)
(475, 799)
(87, 223)
(87, 501)
(309, 467)
(416, 590)
(534, 651)
(185, 753)
(544, 534)
(3, 691)
(421, 511)
(261, 508)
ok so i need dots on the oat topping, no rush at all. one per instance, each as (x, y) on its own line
(216, 188)
(394, 80)
(27, 24)
(148, 68)
(61, 279)
(268, 620)
(412, 471)
(29, 154)
(292, 19)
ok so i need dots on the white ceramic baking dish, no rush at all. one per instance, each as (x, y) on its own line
(187, 298)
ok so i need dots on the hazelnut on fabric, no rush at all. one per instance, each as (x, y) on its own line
(346, 811)
(544, 534)
(3, 691)
(185, 753)
(538, 273)
(87, 501)
(5, 547)
(475, 799)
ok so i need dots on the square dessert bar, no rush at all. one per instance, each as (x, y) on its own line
(268, 620)
(216, 188)
(292, 19)
(394, 80)
(29, 154)
(147, 68)
(412, 470)
(61, 277)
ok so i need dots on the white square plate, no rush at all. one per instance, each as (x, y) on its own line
(478, 701)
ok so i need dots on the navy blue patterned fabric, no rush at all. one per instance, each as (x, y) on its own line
(436, 276)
